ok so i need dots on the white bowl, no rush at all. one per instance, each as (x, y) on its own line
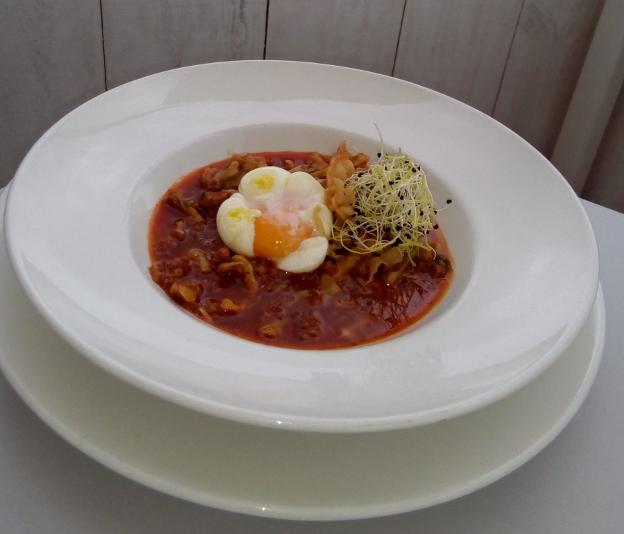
(525, 254)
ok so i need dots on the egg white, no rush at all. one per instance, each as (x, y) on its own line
(310, 254)
(319, 216)
(287, 196)
(303, 185)
(263, 183)
(236, 224)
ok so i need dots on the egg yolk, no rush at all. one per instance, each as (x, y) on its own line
(275, 239)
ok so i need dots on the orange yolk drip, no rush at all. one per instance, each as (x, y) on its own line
(275, 239)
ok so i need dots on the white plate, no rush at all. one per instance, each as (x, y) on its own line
(525, 253)
(279, 473)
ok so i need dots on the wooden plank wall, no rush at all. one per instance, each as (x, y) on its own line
(354, 33)
(606, 179)
(517, 60)
(50, 61)
(146, 36)
(458, 47)
(545, 60)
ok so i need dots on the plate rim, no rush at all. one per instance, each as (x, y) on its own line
(320, 514)
(100, 455)
(273, 419)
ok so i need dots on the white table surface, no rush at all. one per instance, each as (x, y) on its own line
(575, 486)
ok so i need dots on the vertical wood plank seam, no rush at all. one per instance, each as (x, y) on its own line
(266, 28)
(103, 46)
(504, 71)
(591, 107)
(398, 42)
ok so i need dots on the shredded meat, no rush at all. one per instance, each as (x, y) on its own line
(228, 306)
(316, 165)
(205, 314)
(166, 272)
(345, 264)
(210, 180)
(187, 290)
(215, 179)
(230, 171)
(176, 200)
(200, 258)
(309, 327)
(179, 232)
(440, 267)
(213, 199)
(329, 285)
(335, 248)
(389, 257)
(242, 267)
(223, 253)
(271, 330)
(249, 162)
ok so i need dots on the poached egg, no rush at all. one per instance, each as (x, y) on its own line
(280, 216)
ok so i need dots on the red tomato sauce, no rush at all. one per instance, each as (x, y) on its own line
(337, 305)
